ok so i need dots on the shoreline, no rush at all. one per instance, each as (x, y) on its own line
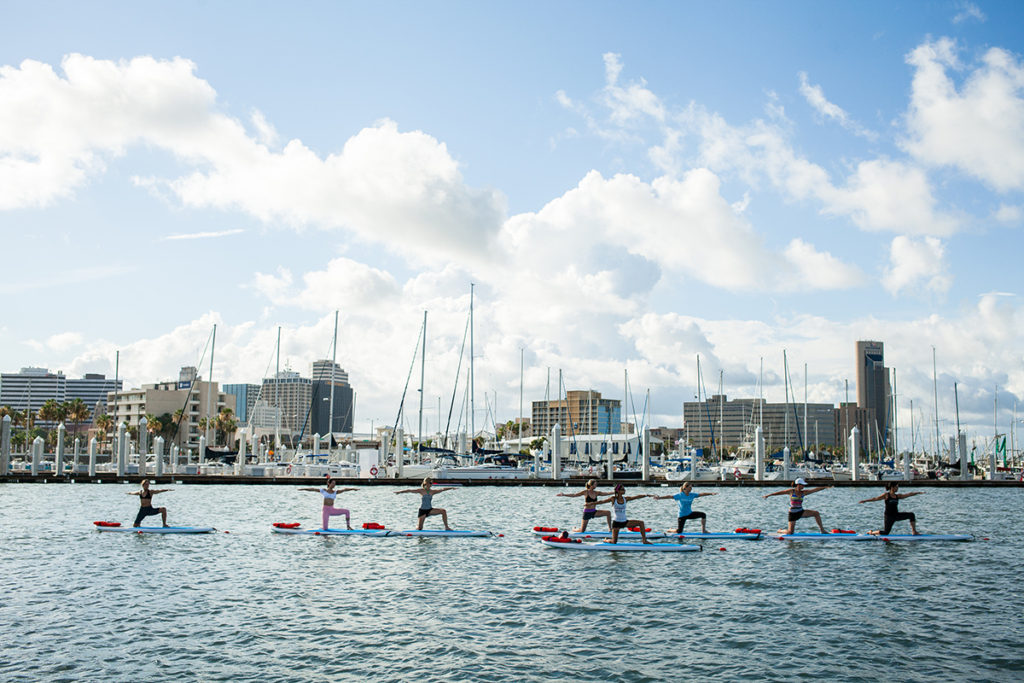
(241, 480)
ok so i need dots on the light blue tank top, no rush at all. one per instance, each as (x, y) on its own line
(427, 499)
(620, 510)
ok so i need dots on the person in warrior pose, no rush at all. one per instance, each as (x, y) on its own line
(426, 503)
(892, 499)
(796, 504)
(620, 520)
(146, 508)
(590, 494)
(329, 493)
(685, 498)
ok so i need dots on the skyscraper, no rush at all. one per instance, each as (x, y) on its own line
(873, 386)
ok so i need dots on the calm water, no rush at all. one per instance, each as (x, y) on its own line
(250, 605)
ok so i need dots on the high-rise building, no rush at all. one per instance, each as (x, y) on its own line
(93, 390)
(873, 385)
(31, 388)
(326, 373)
(245, 400)
(580, 412)
(290, 395)
(718, 423)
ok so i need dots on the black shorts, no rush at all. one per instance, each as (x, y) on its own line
(898, 517)
(793, 516)
(619, 525)
(424, 512)
(145, 512)
(589, 514)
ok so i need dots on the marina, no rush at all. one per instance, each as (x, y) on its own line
(250, 604)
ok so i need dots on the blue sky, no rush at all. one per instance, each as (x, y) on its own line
(628, 185)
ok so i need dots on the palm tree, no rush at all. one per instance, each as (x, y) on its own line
(51, 412)
(77, 411)
(104, 423)
(225, 424)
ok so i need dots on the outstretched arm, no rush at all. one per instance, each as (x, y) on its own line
(569, 495)
(701, 495)
(447, 488)
(310, 489)
(606, 500)
(777, 493)
(820, 488)
(912, 493)
(410, 491)
(344, 490)
(133, 493)
(668, 497)
(871, 500)
(642, 495)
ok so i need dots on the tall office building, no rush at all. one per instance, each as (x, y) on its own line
(580, 412)
(245, 400)
(326, 373)
(31, 388)
(873, 385)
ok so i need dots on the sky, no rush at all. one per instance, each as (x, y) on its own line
(626, 187)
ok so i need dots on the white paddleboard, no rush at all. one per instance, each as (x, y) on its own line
(822, 537)
(623, 547)
(713, 534)
(440, 532)
(926, 537)
(160, 529)
(601, 534)
(331, 532)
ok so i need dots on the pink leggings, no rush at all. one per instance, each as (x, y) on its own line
(330, 511)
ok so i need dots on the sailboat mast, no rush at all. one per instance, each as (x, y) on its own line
(522, 365)
(806, 433)
(760, 384)
(209, 391)
(935, 388)
(277, 402)
(785, 369)
(334, 363)
(423, 370)
(721, 414)
(472, 377)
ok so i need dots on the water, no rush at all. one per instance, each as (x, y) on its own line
(250, 605)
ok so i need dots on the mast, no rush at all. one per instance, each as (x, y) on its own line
(423, 370)
(209, 390)
(956, 405)
(472, 377)
(334, 364)
(785, 380)
(760, 383)
(522, 364)
(806, 433)
(935, 388)
(721, 415)
(277, 402)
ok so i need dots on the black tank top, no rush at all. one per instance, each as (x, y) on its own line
(892, 504)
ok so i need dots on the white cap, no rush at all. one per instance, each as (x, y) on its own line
(800, 482)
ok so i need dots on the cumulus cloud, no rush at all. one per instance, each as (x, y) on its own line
(978, 128)
(1007, 213)
(402, 189)
(968, 11)
(916, 264)
(344, 284)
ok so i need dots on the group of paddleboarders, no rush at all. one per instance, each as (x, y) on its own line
(617, 519)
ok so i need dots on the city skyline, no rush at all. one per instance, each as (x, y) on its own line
(628, 187)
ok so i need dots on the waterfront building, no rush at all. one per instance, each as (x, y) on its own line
(324, 374)
(92, 389)
(32, 387)
(580, 412)
(873, 387)
(245, 400)
(289, 396)
(191, 395)
(720, 424)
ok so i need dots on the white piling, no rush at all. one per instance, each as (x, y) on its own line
(400, 450)
(121, 446)
(158, 456)
(965, 470)
(853, 450)
(5, 445)
(645, 467)
(58, 465)
(758, 454)
(76, 447)
(240, 460)
(143, 445)
(37, 455)
(92, 457)
(556, 451)
(609, 464)
(992, 463)
(785, 464)
(202, 450)
(693, 464)
(174, 458)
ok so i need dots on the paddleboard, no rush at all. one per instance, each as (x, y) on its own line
(331, 532)
(926, 537)
(624, 547)
(822, 537)
(160, 529)
(600, 534)
(713, 534)
(454, 533)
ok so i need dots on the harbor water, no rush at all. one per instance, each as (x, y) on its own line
(245, 604)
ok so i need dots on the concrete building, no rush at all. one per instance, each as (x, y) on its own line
(188, 394)
(719, 423)
(324, 374)
(289, 396)
(580, 412)
(873, 387)
(32, 387)
(245, 399)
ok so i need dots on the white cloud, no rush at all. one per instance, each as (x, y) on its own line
(1007, 213)
(815, 96)
(979, 128)
(64, 341)
(916, 264)
(344, 285)
(400, 189)
(968, 10)
(205, 235)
